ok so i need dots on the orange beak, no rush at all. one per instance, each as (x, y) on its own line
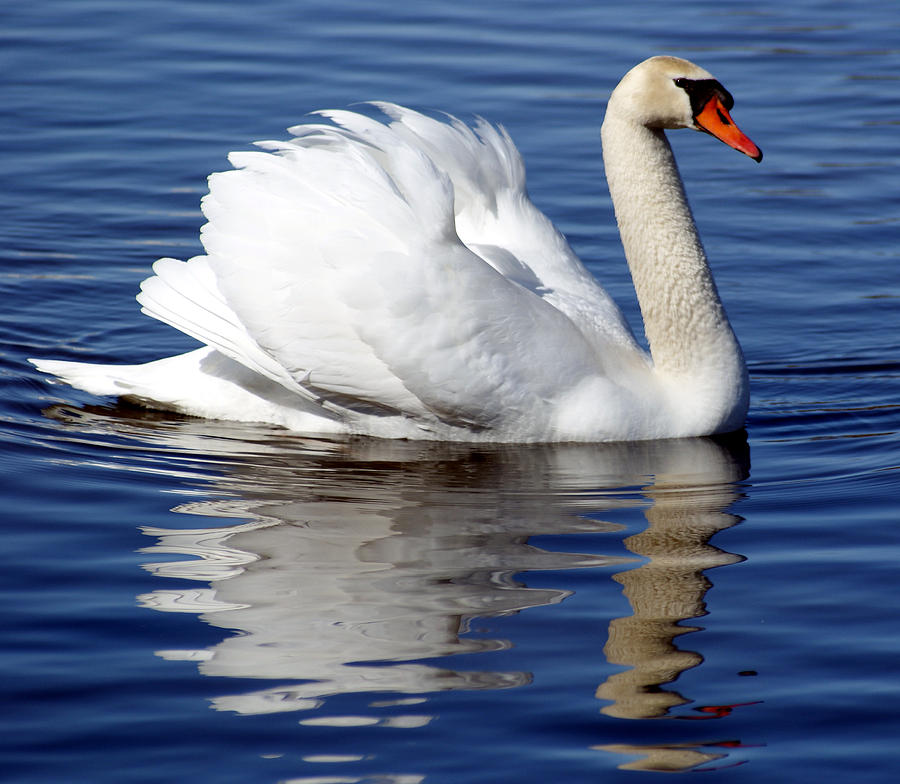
(714, 119)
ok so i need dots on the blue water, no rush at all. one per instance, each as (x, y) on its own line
(196, 601)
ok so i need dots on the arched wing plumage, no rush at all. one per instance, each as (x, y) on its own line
(400, 267)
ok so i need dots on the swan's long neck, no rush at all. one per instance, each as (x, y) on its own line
(684, 321)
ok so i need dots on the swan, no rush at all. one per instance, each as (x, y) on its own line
(392, 278)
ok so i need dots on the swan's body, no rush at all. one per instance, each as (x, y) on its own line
(395, 280)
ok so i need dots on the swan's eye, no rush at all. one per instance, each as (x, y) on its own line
(681, 82)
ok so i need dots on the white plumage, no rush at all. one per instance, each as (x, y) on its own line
(396, 280)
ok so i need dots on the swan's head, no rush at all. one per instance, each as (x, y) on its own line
(668, 92)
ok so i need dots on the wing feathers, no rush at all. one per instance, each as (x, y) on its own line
(185, 296)
(335, 267)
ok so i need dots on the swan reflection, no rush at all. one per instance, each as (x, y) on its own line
(359, 566)
(354, 564)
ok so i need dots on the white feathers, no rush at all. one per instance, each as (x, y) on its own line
(186, 296)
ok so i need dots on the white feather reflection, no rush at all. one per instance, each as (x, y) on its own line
(334, 571)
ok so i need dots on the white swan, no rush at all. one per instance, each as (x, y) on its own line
(395, 280)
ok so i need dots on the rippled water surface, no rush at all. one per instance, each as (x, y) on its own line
(196, 601)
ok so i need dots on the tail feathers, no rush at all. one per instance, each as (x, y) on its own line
(96, 379)
(200, 383)
(185, 296)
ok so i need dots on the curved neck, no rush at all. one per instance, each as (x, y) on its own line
(684, 321)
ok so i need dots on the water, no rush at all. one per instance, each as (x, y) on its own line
(186, 600)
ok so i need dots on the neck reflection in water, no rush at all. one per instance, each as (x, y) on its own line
(356, 561)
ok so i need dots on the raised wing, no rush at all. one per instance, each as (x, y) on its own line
(496, 219)
(334, 267)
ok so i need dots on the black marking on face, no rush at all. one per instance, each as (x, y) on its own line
(701, 90)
